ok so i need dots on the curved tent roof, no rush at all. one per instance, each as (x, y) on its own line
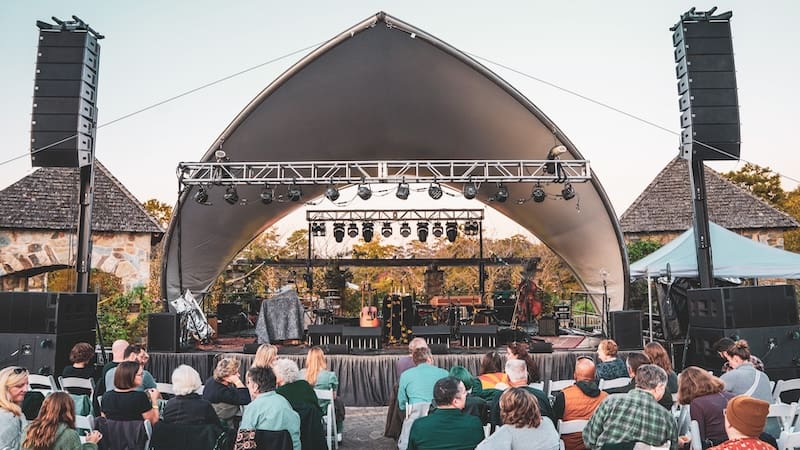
(385, 90)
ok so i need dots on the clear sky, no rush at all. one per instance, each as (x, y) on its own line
(615, 52)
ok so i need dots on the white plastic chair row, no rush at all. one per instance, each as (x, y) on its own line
(329, 418)
(785, 414)
(614, 383)
(45, 384)
(782, 386)
(569, 427)
(558, 385)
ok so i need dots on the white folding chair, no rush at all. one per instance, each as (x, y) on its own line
(539, 385)
(558, 385)
(165, 388)
(79, 383)
(785, 414)
(84, 422)
(782, 386)
(200, 389)
(694, 431)
(148, 428)
(614, 383)
(330, 417)
(788, 441)
(45, 384)
(569, 427)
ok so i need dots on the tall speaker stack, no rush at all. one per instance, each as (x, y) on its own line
(706, 74)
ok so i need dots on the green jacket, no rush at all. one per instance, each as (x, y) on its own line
(67, 439)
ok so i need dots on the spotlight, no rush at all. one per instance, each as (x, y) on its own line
(386, 231)
(501, 195)
(470, 191)
(367, 231)
(405, 230)
(201, 196)
(438, 231)
(471, 228)
(552, 155)
(364, 192)
(294, 193)
(318, 229)
(538, 194)
(332, 193)
(338, 231)
(267, 195)
(568, 192)
(231, 196)
(422, 231)
(435, 191)
(352, 230)
(451, 231)
(402, 191)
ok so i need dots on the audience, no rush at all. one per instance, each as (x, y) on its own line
(268, 409)
(658, 355)
(634, 361)
(474, 404)
(635, 416)
(187, 407)
(744, 379)
(225, 390)
(446, 427)
(523, 427)
(117, 356)
(265, 355)
(491, 371)
(291, 386)
(722, 345)
(126, 401)
(705, 395)
(745, 418)
(406, 362)
(416, 390)
(579, 401)
(55, 427)
(519, 350)
(135, 353)
(517, 377)
(81, 357)
(13, 387)
(610, 366)
(318, 376)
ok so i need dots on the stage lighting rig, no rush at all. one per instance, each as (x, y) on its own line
(405, 230)
(267, 195)
(294, 193)
(201, 196)
(338, 231)
(422, 231)
(352, 230)
(451, 230)
(435, 191)
(471, 228)
(438, 231)
(318, 229)
(568, 193)
(386, 230)
(364, 191)
(403, 190)
(332, 193)
(501, 195)
(538, 195)
(367, 231)
(470, 191)
(231, 196)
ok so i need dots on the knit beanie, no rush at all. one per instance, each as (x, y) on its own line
(747, 414)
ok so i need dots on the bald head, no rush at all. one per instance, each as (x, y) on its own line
(584, 370)
(118, 349)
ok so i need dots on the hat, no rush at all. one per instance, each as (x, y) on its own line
(747, 414)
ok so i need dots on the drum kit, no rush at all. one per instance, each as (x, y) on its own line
(323, 310)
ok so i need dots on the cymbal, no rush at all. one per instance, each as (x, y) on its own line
(323, 312)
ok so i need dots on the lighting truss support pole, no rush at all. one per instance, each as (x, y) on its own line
(83, 260)
(702, 233)
(481, 267)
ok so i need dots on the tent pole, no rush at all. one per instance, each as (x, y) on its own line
(650, 305)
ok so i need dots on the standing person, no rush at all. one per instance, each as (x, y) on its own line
(706, 397)
(225, 390)
(744, 379)
(265, 355)
(745, 418)
(54, 429)
(126, 402)
(610, 366)
(491, 371)
(269, 410)
(579, 401)
(13, 387)
(519, 350)
(318, 376)
(658, 356)
(523, 427)
(445, 427)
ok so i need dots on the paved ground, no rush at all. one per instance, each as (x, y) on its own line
(364, 429)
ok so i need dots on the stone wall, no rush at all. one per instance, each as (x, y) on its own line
(126, 255)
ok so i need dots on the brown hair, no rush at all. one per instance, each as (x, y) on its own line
(520, 350)
(81, 352)
(609, 347)
(740, 349)
(695, 382)
(519, 408)
(225, 368)
(315, 363)
(491, 363)
(125, 375)
(658, 356)
(57, 408)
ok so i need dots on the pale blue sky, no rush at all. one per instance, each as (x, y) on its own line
(618, 53)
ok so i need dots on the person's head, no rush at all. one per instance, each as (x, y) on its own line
(607, 349)
(132, 352)
(634, 361)
(416, 343)
(13, 387)
(315, 363)
(185, 380)
(286, 371)
(118, 349)
(722, 346)
(517, 350)
(519, 408)
(658, 355)
(517, 371)
(694, 382)
(81, 353)
(491, 363)
(449, 392)
(56, 409)
(260, 380)
(265, 355)
(128, 375)
(463, 375)
(745, 416)
(651, 378)
(422, 355)
(738, 353)
(584, 369)
(225, 368)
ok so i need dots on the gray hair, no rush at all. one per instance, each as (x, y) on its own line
(286, 370)
(416, 343)
(185, 380)
(517, 370)
(649, 376)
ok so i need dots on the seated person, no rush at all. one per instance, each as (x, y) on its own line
(187, 407)
(523, 426)
(446, 427)
(81, 357)
(745, 418)
(225, 389)
(269, 410)
(137, 354)
(491, 371)
(125, 402)
(517, 372)
(474, 404)
(610, 366)
(291, 386)
(579, 401)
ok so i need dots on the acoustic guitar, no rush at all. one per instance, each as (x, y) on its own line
(369, 313)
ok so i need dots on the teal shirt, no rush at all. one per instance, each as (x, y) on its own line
(270, 411)
(416, 384)
(326, 380)
(445, 429)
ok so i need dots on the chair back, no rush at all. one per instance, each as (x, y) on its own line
(539, 385)
(173, 436)
(273, 440)
(788, 440)
(785, 414)
(84, 384)
(132, 434)
(614, 383)
(558, 385)
(84, 423)
(571, 426)
(782, 386)
(697, 440)
(329, 417)
(45, 384)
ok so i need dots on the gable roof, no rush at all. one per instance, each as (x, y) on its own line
(666, 204)
(48, 199)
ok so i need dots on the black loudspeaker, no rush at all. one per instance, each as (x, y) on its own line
(743, 307)
(478, 336)
(335, 349)
(706, 74)
(64, 99)
(548, 326)
(626, 329)
(250, 349)
(362, 337)
(540, 347)
(434, 334)
(47, 312)
(162, 332)
(45, 354)
(778, 346)
(325, 335)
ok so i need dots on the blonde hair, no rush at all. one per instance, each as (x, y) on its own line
(225, 368)
(315, 363)
(265, 355)
(8, 378)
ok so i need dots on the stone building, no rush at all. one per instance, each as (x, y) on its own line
(38, 221)
(664, 210)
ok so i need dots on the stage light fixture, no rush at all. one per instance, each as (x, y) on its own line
(438, 231)
(470, 191)
(364, 192)
(451, 230)
(294, 193)
(402, 191)
(201, 196)
(435, 191)
(338, 231)
(332, 193)
(318, 229)
(501, 195)
(471, 228)
(538, 195)
(386, 231)
(367, 231)
(267, 195)
(405, 229)
(352, 230)
(568, 192)
(422, 231)
(231, 196)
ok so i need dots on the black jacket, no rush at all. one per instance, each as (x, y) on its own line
(190, 410)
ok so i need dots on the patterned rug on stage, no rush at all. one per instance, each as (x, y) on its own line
(563, 342)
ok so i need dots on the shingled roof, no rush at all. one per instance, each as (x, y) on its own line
(47, 199)
(666, 204)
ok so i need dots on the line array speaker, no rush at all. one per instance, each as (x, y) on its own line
(47, 312)
(743, 307)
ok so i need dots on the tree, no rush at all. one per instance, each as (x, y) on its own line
(159, 210)
(639, 249)
(761, 181)
(791, 205)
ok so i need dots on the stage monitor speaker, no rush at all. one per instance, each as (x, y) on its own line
(540, 347)
(47, 312)
(626, 329)
(548, 326)
(363, 338)
(41, 353)
(478, 336)
(324, 335)
(64, 99)
(433, 334)
(439, 349)
(778, 347)
(162, 332)
(743, 307)
(706, 74)
(250, 349)
(335, 349)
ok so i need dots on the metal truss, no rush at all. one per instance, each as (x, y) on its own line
(353, 172)
(395, 215)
